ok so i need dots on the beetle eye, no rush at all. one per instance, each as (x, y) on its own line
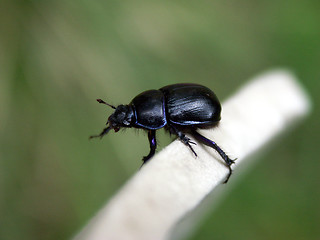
(116, 129)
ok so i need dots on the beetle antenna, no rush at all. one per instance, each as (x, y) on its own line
(101, 101)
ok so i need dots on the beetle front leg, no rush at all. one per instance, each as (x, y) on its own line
(104, 132)
(153, 146)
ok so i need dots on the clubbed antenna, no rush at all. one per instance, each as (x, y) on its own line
(101, 101)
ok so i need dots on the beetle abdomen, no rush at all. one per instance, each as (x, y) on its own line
(191, 104)
(149, 109)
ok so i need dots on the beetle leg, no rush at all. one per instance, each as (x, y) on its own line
(212, 144)
(104, 132)
(184, 139)
(153, 146)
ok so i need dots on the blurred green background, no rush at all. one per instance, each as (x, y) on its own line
(57, 57)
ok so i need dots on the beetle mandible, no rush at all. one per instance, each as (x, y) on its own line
(179, 108)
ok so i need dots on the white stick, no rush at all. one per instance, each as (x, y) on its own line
(174, 181)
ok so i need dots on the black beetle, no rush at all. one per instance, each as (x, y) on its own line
(179, 108)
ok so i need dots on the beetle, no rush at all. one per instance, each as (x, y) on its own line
(179, 108)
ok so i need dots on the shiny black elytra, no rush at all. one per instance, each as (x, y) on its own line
(179, 108)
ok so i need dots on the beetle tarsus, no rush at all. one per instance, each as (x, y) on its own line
(212, 144)
(104, 132)
(145, 159)
(229, 174)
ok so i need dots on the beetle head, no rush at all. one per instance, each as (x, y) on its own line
(123, 116)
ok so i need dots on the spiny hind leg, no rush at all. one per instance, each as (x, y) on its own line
(212, 144)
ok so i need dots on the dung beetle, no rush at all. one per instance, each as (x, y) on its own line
(179, 108)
